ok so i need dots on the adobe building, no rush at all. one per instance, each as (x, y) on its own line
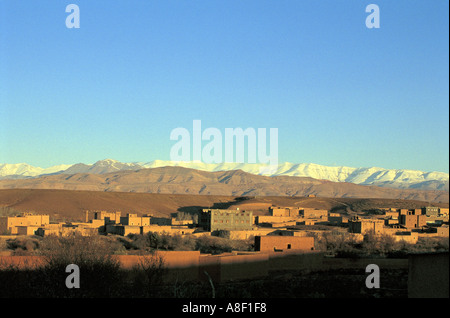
(309, 222)
(65, 229)
(403, 212)
(95, 223)
(268, 220)
(273, 243)
(124, 230)
(167, 229)
(391, 221)
(362, 226)
(335, 219)
(228, 220)
(26, 230)
(430, 211)
(406, 236)
(50, 229)
(132, 219)
(284, 211)
(160, 221)
(413, 221)
(392, 214)
(107, 217)
(11, 224)
(443, 211)
(176, 222)
(314, 213)
(442, 230)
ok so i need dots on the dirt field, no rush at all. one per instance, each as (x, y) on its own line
(70, 204)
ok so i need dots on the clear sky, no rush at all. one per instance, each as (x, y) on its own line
(338, 92)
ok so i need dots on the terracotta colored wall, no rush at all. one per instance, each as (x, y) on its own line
(172, 259)
(11, 223)
(363, 226)
(284, 211)
(313, 213)
(443, 210)
(270, 243)
(412, 221)
(443, 231)
(273, 219)
(181, 265)
(244, 266)
(191, 265)
(295, 260)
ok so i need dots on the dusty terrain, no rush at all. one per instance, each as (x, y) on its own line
(178, 180)
(70, 205)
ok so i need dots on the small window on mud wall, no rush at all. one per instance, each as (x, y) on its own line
(289, 246)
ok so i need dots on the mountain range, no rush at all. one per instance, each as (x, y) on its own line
(113, 176)
(392, 178)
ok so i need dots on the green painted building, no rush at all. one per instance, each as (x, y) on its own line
(229, 220)
(430, 210)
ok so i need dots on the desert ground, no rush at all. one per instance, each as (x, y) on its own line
(70, 204)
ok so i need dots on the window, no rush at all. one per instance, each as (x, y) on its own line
(289, 246)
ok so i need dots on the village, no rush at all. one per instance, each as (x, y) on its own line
(284, 239)
(294, 223)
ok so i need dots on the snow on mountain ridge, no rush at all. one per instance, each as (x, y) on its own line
(24, 169)
(367, 176)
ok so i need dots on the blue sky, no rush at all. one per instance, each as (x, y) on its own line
(338, 92)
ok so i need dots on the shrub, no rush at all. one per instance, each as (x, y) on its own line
(217, 245)
(99, 272)
(378, 244)
(147, 274)
(222, 233)
(21, 245)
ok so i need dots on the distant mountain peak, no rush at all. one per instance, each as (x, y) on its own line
(394, 178)
(106, 161)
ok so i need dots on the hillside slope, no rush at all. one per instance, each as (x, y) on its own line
(70, 205)
(392, 178)
(179, 180)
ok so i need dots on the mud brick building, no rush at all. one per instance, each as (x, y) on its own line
(12, 224)
(362, 226)
(430, 210)
(313, 213)
(108, 217)
(225, 220)
(284, 211)
(413, 221)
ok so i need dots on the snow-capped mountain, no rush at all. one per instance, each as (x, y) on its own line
(395, 178)
(102, 166)
(19, 170)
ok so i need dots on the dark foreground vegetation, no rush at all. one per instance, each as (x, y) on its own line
(100, 274)
(337, 283)
(337, 244)
(380, 245)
